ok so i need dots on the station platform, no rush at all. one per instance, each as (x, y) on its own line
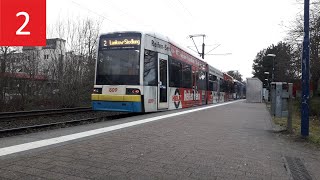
(232, 140)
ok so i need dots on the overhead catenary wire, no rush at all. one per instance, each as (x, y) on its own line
(183, 18)
(128, 14)
(185, 8)
(213, 49)
(102, 16)
(220, 54)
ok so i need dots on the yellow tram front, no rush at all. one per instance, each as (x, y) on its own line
(117, 79)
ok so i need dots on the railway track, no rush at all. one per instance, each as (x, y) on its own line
(44, 125)
(47, 112)
(58, 124)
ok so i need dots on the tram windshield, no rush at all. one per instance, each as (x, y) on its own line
(118, 60)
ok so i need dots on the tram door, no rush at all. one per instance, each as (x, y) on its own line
(194, 86)
(163, 81)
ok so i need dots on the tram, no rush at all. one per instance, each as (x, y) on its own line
(147, 72)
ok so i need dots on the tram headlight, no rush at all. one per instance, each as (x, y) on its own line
(133, 91)
(97, 91)
(137, 91)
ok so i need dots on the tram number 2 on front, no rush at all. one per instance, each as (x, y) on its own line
(23, 23)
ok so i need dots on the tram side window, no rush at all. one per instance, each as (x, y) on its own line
(175, 73)
(202, 80)
(210, 77)
(215, 85)
(235, 87)
(222, 86)
(232, 88)
(186, 76)
(210, 88)
(150, 68)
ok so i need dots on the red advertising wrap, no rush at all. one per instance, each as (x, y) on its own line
(185, 57)
(187, 97)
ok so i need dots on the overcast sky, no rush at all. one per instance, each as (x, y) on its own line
(240, 27)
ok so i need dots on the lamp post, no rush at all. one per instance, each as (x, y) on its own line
(273, 57)
(267, 78)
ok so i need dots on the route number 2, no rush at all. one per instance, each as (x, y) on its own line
(19, 31)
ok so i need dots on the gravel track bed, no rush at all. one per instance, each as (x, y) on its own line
(31, 121)
(24, 122)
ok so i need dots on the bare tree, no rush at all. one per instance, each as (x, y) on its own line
(6, 53)
(76, 67)
(295, 37)
(235, 74)
(61, 76)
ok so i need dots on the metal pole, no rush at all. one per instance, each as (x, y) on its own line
(273, 69)
(289, 121)
(203, 47)
(305, 74)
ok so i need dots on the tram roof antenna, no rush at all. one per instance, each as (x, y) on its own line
(195, 45)
(197, 35)
(203, 45)
(192, 49)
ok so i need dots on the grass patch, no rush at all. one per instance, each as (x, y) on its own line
(314, 127)
(314, 121)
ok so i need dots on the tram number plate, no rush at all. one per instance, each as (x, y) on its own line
(113, 89)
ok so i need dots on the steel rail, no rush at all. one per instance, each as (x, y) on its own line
(19, 114)
(38, 126)
(45, 125)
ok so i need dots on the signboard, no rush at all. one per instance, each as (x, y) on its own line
(157, 45)
(119, 42)
(22, 23)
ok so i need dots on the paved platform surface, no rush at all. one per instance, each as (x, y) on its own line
(234, 141)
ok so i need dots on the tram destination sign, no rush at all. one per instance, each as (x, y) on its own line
(120, 42)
